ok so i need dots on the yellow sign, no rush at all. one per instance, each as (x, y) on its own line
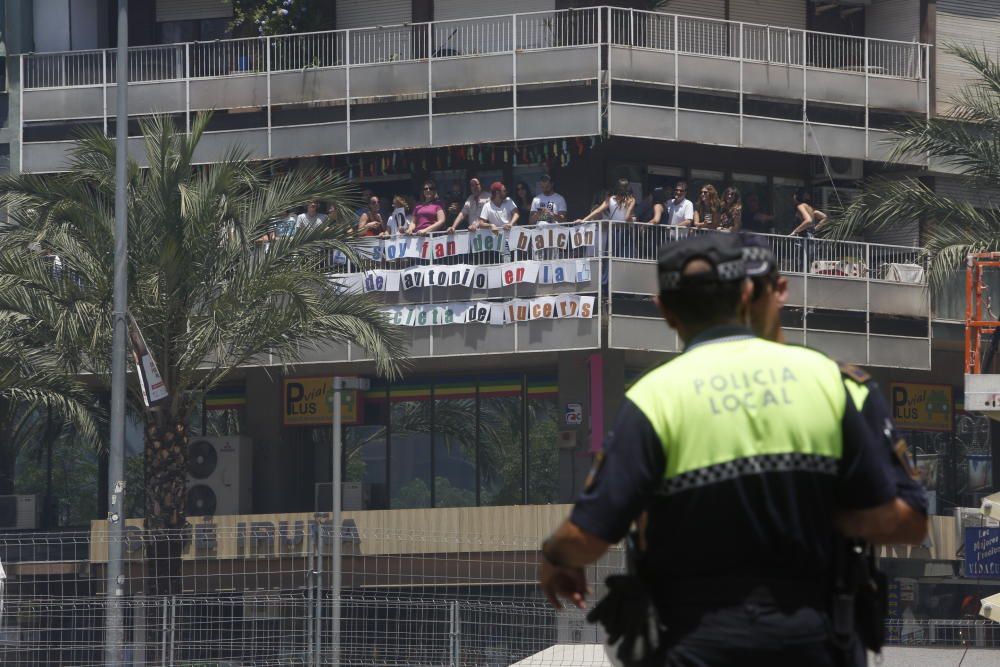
(921, 407)
(308, 401)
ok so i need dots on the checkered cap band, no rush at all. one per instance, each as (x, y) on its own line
(758, 260)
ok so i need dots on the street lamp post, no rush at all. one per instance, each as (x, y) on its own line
(339, 385)
(115, 582)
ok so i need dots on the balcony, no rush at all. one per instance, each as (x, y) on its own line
(858, 302)
(500, 79)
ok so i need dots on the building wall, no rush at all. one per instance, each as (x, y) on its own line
(974, 23)
(459, 9)
(893, 19)
(786, 13)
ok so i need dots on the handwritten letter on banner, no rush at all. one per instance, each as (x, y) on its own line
(477, 277)
(494, 312)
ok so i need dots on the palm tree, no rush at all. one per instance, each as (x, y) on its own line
(207, 296)
(966, 140)
(38, 399)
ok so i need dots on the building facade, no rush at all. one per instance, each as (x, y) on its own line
(766, 95)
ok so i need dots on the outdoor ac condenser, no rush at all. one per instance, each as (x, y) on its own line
(220, 473)
(19, 512)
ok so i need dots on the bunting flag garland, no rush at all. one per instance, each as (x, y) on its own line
(549, 153)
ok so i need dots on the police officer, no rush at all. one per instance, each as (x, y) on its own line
(867, 613)
(746, 456)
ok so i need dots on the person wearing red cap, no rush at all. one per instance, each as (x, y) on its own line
(500, 212)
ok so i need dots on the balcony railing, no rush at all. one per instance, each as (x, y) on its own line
(363, 90)
(484, 36)
(859, 302)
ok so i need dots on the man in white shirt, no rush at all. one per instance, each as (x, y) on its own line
(549, 206)
(473, 206)
(311, 217)
(680, 210)
(500, 212)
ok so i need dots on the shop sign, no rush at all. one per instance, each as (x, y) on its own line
(921, 407)
(574, 414)
(982, 552)
(306, 401)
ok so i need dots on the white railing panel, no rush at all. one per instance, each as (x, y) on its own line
(488, 35)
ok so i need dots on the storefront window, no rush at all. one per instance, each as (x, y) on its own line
(501, 449)
(365, 451)
(543, 446)
(455, 443)
(410, 449)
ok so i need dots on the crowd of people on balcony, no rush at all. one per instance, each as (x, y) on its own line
(495, 209)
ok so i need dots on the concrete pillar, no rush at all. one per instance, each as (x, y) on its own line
(263, 423)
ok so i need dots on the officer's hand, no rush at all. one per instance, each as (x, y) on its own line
(567, 582)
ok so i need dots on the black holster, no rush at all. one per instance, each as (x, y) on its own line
(859, 601)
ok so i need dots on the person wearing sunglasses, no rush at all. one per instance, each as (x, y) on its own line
(706, 211)
(428, 215)
(680, 210)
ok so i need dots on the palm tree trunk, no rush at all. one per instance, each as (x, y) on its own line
(166, 445)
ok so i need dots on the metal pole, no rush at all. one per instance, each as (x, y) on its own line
(113, 653)
(336, 523)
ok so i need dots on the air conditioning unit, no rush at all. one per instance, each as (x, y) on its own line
(354, 496)
(834, 198)
(19, 512)
(219, 476)
(837, 169)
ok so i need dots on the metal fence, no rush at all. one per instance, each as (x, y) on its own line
(485, 36)
(266, 598)
(256, 595)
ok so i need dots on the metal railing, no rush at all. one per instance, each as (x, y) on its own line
(944, 632)
(483, 36)
(641, 242)
(767, 44)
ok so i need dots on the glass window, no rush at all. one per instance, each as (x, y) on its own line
(543, 444)
(410, 450)
(455, 443)
(365, 452)
(501, 451)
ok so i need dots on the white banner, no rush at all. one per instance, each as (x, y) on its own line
(551, 272)
(563, 306)
(523, 239)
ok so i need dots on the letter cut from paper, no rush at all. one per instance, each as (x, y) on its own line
(449, 245)
(584, 235)
(518, 272)
(414, 277)
(485, 240)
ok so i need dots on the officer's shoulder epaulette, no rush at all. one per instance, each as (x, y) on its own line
(852, 372)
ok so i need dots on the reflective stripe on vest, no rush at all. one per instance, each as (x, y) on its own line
(735, 407)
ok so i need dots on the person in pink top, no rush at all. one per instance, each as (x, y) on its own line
(428, 215)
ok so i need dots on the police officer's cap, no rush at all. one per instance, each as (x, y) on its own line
(723, 253)
(758, 257)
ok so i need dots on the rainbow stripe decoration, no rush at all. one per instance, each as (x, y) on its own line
(226, 398)
(540, 386)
